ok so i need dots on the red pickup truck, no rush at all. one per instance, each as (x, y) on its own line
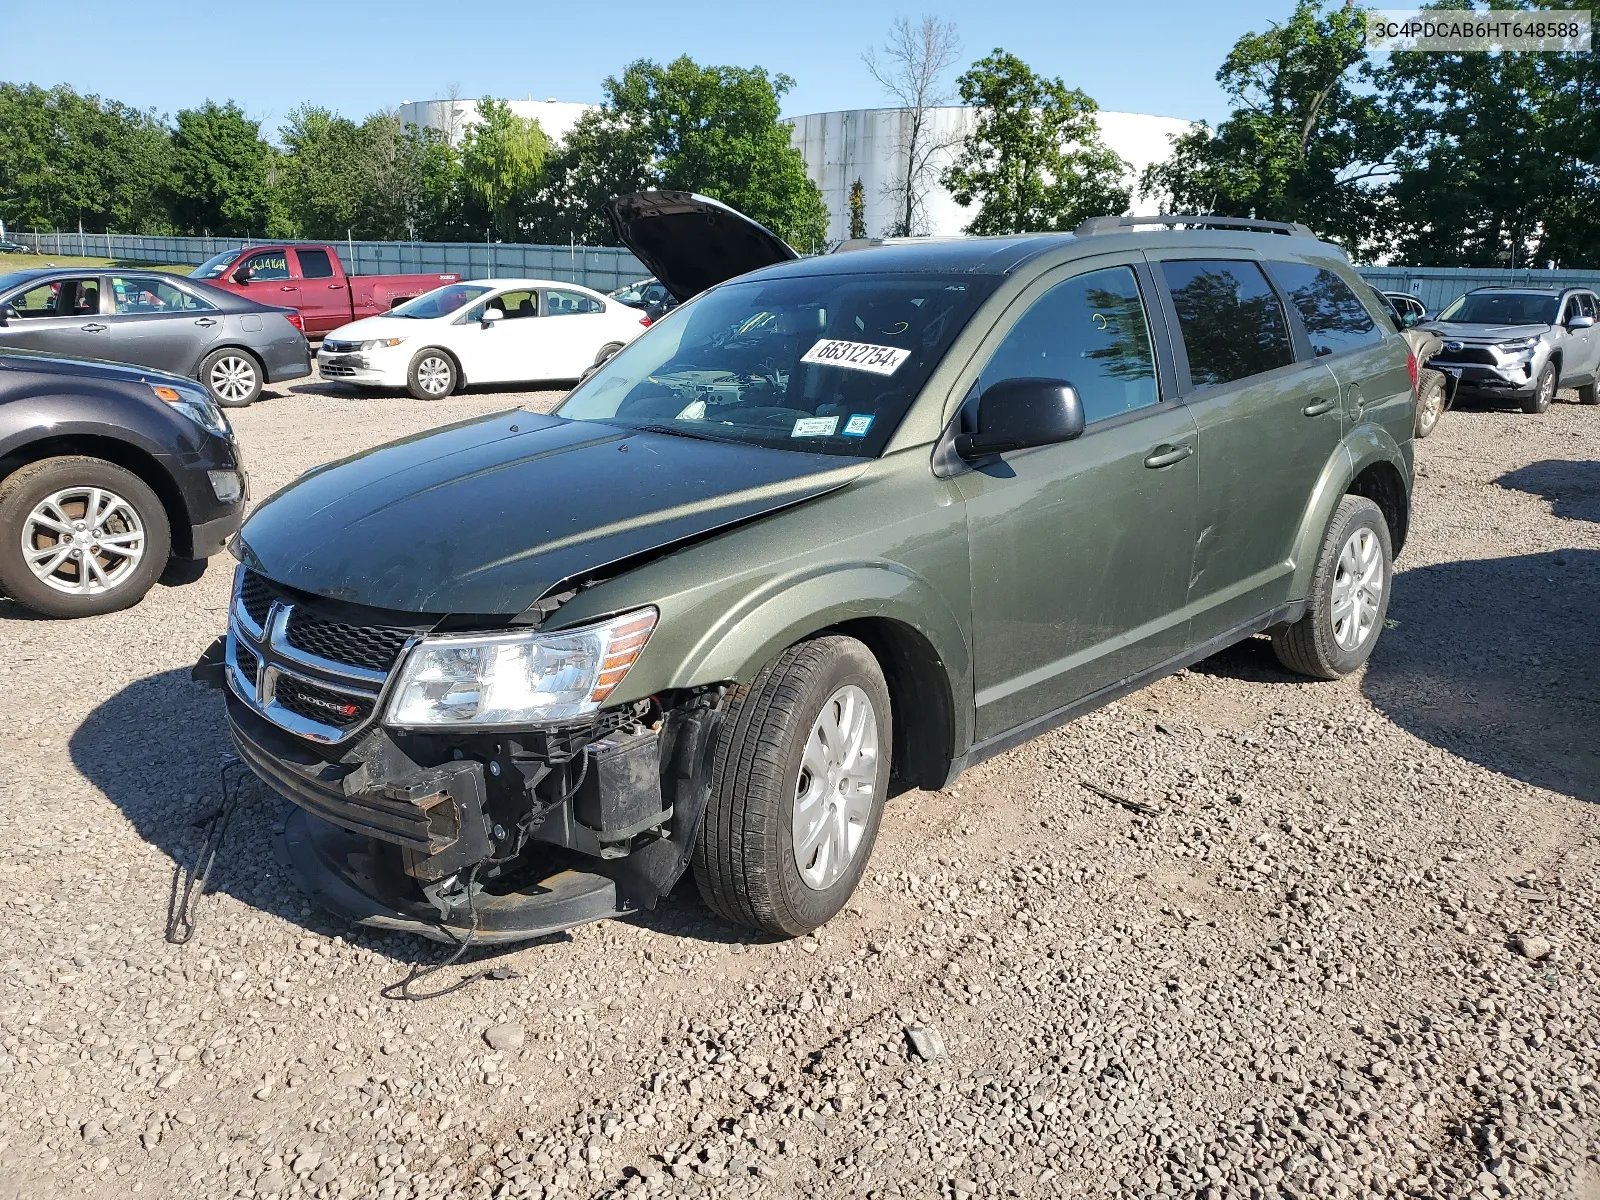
(310, 277)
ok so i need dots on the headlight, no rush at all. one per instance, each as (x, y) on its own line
(196, 406)
(1527, 343)
(380, 343)
(517, 678)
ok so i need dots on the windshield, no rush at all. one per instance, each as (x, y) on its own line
(825, 364)
(214, 267)
(1503, 308)
(440, 302)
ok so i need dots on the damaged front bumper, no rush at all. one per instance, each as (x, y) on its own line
(506, 835)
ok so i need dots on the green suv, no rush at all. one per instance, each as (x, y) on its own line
(835, 528)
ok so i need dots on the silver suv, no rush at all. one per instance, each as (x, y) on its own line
(1521, 344)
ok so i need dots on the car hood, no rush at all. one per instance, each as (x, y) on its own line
(371, 328)
(1464, 332)
(690, 242)
(17, 359)
(487, 516)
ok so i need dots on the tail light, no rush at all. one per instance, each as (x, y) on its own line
(1411, 369)
(294, 319)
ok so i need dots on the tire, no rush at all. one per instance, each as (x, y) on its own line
(746, 859)
(1589, 393)
(432, 375)
(1543, 392)
(1430, 402)
(1316, 645)
(600, 359)
(56, 491)
(234, 377)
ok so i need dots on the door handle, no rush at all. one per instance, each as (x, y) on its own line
(1165, 456)
(94, 327)
(336, 287)
(286, 288)
(204, 322)
(1317, 407)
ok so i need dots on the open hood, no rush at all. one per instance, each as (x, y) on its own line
(690, 242)
(486, 516)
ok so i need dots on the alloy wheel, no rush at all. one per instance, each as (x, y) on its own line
(1357, 589)
(84, 541)
(232, 378)
(833, 795)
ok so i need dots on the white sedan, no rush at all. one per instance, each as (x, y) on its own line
(481, 331)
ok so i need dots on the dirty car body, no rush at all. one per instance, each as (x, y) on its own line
(503, 669)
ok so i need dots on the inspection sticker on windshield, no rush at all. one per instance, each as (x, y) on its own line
(858, 425)
(857, 356)
(814, 427)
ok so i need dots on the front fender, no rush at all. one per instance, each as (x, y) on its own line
(1362, 447)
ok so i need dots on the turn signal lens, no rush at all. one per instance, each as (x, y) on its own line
(170, 395)
(1411, 369)
(627, 640)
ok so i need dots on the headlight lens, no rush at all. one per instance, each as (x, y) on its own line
(196, 406)
(381, 343)
(1527, 343)
(517, 678)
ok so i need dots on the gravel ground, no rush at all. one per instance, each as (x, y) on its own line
(1236, 935)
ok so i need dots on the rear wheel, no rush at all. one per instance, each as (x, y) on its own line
(80, 536)
(1543, 392)
(797, 792)
(432, 375)
(1349, 596)
(233, 377)
(1430, 402)
(1589, 393)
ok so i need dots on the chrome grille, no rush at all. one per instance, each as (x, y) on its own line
(333, 347)
(318, 678)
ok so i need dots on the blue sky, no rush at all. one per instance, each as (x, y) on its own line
(1156, 57)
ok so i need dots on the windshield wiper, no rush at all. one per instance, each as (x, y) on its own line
(688, 433)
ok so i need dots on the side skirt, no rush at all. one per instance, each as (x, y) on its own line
(1284, 614)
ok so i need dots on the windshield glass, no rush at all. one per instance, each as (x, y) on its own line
(440, 302)
(1503, 308)
(214, 267)
(825, 364)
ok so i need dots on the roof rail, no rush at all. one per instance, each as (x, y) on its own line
(1096, 225)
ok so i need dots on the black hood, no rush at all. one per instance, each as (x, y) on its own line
(690, 242)
(486, 516)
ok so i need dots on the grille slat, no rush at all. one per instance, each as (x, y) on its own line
(375, 647)
(256, 597)
(248, 662)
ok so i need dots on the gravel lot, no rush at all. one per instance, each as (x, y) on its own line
(1237, 935)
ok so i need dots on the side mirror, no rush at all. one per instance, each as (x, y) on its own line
(490, 316)
(1015, 414)
(7, 313)
(244, 275)
(1580, 322)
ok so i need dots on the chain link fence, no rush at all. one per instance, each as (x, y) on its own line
(603, 268)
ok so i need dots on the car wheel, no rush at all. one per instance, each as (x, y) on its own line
(606, 351)
(432, 375)
(1430, 402)
(233, 377)
(1589, 393)
(80, 536)
(1349, 596)
(1543, 392)
(802, 769)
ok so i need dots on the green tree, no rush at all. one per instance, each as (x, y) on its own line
(66, 159)
(411, 182)
(322, 170)
(1499, 158)
(858, 210)
(224, 176)
(501, 160)
(1035, 160)
(1302, 142)
(715, 130)
(602, 156)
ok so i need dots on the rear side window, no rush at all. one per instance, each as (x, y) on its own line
(1091, 331)
(1230, 318)
(315, 264)
(560, 304)
(1334, 317)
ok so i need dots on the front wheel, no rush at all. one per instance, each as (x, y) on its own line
(797, 792)
(79, 537)
(1349, 596)
(233, 377)
(1543, 392)
(1430, 402)
(432, 375)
